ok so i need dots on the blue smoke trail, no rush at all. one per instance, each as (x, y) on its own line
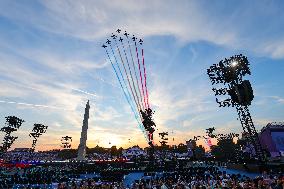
(125, 85)
(126, 96)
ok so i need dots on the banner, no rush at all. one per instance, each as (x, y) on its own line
(278, 139)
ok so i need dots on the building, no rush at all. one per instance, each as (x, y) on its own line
(272, 139)
(134, 151)
(191, 145)
(21, 150)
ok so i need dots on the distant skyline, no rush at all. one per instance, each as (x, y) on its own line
(52, 63)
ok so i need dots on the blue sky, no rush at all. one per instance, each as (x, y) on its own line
(51, 55)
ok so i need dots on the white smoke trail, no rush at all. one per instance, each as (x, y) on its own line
(104, 81)
(85, 92)
(59, 86)
(34, 105)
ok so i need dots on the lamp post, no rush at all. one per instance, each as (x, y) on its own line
(228, 74)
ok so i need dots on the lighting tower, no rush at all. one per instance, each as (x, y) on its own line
(229, 74)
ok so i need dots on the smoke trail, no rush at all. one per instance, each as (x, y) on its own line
(34, 105)
(145, 78)
(138, 61)
(85, 92)
(101, 79)
(126, 96)
(124, 82)
(122, 62)
(57, 85)
(134, 67)
(130, 72)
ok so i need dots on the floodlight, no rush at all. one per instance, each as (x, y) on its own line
(234, 64)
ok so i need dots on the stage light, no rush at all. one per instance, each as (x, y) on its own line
(234, 64)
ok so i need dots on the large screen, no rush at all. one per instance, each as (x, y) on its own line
(278, 138)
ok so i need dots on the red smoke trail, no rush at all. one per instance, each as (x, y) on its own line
(140, 75)
(136, 77)
(122, 62)
(145, 79)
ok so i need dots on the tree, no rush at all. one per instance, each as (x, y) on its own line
(97, 149)
(199, 152)
(225, 150)
(119, 151)
(113, 151)
(181, 148)
(67, 153)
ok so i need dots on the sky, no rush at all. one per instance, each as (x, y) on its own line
(51, 63)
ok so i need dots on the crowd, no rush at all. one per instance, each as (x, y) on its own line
(26, 156)
(90, 184)
(64, 175)
(34, 175)
(209, 178)
(183, 177)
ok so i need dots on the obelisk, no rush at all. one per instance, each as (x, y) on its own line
(82, 146)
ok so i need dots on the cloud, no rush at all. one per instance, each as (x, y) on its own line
(278, 99)
(188, 21)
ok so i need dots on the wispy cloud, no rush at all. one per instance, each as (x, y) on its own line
(278, 99)
(192, 21)
(32, 105)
